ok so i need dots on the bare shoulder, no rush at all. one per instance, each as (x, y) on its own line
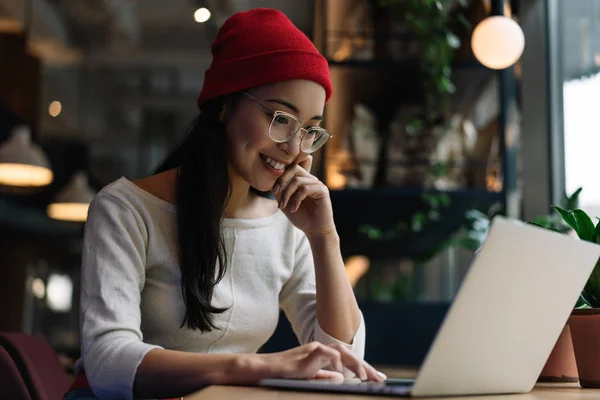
(161, 185)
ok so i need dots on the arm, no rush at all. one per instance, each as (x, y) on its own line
(337, 311)
(112, 278)
(170, 373)
(317, 301)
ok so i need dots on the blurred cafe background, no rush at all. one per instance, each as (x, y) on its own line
(445, 113)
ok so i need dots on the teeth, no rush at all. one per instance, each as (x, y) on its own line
(273, 163)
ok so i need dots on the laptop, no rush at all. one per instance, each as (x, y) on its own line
(503, 323)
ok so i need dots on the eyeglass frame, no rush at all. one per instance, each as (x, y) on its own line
(276, 113)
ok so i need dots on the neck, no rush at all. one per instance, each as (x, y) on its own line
(241, 197)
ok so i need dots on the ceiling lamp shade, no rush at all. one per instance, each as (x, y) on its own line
(22, 162)
(73, 201)
(498, 42)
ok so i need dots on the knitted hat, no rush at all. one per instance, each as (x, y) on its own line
(258, 47)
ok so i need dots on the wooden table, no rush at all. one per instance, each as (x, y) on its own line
(547, 391)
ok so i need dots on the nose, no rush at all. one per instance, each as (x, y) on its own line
(292, 146)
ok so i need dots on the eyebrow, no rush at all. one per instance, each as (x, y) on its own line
(293, 108)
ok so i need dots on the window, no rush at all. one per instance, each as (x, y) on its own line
(580, 58)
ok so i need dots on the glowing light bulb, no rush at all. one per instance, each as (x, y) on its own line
(55, 108)
(498, 42)
(202, 15)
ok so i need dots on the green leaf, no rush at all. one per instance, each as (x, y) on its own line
(597, 231)
(538, 223)
(543, 226)
(431, 199)
(418, 219)
(585, 226)
(445, 200)
(567, 216)
(582, 303)
(591, 291)
(464, 21)
(573, 200)
(545, 220)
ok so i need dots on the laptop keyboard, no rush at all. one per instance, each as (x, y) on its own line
(382, 388)
(390, 387)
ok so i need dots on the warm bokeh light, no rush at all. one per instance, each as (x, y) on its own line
(73, 200)
(55, 108)
(335, 179)
(10, 25)
(25, 175)
(74, 212)
(498, 42)
(59, 293)
(202, 15)
(356, 267)
(38, 288)
(22, 162)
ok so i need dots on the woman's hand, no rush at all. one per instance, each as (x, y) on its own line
(308, 362)
(304, 199)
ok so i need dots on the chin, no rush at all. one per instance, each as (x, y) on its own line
(260, 183)
(262, 187)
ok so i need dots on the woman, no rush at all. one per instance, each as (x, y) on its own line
(184, 271)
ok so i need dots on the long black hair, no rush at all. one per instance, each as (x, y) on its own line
(202, 190)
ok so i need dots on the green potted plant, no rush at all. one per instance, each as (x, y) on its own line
(561, 365)
(431, 23)
(584, 322)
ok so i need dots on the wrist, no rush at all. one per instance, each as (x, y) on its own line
(327, 236)
(248, 368)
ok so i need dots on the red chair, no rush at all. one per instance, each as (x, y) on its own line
(11, 382)
(38, 363)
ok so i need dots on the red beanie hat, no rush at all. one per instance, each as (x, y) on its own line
(258, 47)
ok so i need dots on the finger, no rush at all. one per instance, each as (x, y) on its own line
(307, 164)
(290, 172)
(322, 357)
(360, 368)
(324, 374)
(373, 374)
(300, 195)
(292, 187)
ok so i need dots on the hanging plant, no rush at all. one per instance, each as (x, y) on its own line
(431, 22)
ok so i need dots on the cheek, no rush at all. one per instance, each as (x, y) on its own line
(256, 135)
(246, 139)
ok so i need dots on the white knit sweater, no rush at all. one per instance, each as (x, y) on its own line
(131, 300)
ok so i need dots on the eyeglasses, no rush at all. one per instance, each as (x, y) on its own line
(284, 126)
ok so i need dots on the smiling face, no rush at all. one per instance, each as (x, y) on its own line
(252, 154)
